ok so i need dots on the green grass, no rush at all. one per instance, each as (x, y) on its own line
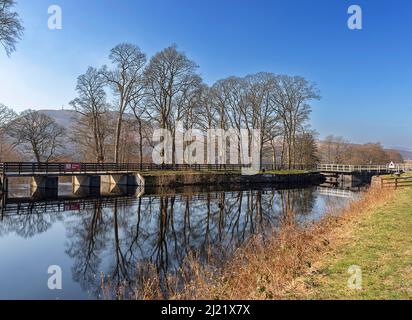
(381, 244)
(409, 174)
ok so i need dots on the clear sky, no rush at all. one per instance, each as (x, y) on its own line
(365, 76)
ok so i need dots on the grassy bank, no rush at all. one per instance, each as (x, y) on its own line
(379, 242)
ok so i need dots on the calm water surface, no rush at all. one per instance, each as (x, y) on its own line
(115, 235)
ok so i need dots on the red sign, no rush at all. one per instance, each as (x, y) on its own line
(76, 166)
(72, 207)
(72, 167)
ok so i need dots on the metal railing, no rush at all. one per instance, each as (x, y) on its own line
(31, 168)
(363, 168)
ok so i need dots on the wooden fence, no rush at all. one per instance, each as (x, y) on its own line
(396, 182)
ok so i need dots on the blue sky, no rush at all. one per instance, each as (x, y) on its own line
(365, 77)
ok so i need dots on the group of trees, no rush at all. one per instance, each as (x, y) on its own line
(168, 89)
(336, 150)
(30, 133)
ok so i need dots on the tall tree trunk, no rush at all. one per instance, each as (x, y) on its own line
(139, 120)
(96, 139)
(118, 135)
(273, 157)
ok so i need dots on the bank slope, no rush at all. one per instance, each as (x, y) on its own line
(380, 243)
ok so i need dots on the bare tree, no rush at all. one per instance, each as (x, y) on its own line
(6, 116)
(139, 111)
(11, 29)
(334, 150)
(128, 62)
(83, 137)
(207, 118)
(291, 97)
(170, 79)
(229, 97)
(38, 133)
(307, 149)
(91, 104)
(259, 111)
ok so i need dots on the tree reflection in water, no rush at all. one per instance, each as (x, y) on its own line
(163, 230)
(124, 239)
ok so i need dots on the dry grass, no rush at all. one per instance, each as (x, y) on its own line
(270, 269)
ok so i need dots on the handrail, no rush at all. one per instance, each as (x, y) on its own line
(359, 168)
(67, 167)
(21, 168)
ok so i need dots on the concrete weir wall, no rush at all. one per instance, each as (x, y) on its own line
(95, 181)
(123, 179)
(86, 181)
(46, 182)
(176, 180)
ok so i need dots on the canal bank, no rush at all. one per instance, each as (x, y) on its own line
(371, 235)
(378, 242)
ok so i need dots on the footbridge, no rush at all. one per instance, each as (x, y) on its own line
(353, 175)
(377, 169)
(47, 175)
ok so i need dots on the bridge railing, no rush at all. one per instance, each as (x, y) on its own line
(26, 168)
(31, 168)
(359, 168)
(362, 168)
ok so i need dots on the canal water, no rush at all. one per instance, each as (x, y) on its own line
(117, 235)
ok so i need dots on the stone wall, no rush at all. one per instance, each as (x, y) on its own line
(176, 180)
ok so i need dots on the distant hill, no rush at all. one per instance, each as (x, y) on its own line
(64, 118)
(406, 154)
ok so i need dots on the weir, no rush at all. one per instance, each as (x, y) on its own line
(90, 181)
(44, 182)
(44, 177)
